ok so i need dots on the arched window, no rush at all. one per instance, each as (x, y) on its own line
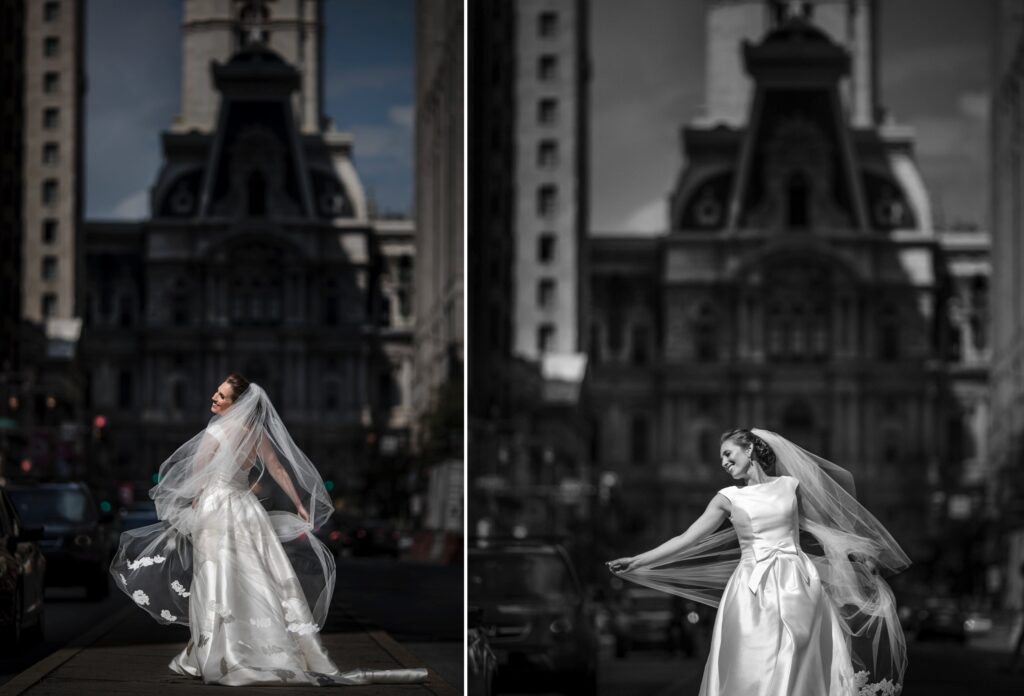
(257, 194)
(797, 197)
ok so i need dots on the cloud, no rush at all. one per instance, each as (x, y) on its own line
(403, 116)
(650, 217)
(133, 207)
(376, 78)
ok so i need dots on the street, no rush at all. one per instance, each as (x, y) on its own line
(416, 604)
(68, 615)
(935, 669)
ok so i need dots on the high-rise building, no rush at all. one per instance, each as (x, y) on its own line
(440, 176)
(52, 161)
(1007, 216)
(12, 127)
(551, 160)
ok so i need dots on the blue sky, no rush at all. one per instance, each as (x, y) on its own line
(934, 71)
(133, 67)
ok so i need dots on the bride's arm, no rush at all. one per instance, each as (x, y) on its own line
(718, 509)
(281, 476)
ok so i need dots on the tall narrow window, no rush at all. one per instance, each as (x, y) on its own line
(547, 200)
(547, 154)
(889, 334)
(51, 11)
(546, 293)
(640, 348)
(49, 304)
(51, 46)
(797, 200)
(49, 267)
(49, 231)
(638, 440)
(547, 111)
(547, 24)
(51, 153)
(547, 68)
(51, 82)
(51, 118)
(545, 337)
(125, 391)
(546, 247)
(50, 192)
(257, 194)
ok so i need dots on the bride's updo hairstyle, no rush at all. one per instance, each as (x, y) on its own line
(761, 452)
(238, 385)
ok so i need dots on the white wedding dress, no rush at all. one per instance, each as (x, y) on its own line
(241, 577)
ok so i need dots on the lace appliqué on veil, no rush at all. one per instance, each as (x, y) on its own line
(180, 589)
(145, 561)
(880, 688)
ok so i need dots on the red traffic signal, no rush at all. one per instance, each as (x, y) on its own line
(99, 422)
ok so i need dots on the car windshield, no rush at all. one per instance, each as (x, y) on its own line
(39, 507)
(520, 576)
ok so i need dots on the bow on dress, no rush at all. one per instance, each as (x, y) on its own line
(766, 555)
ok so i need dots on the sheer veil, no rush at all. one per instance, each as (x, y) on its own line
(248, 445)
(848, 546)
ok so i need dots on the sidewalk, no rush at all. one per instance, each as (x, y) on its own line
(129, 653)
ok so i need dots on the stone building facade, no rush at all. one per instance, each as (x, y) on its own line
(799, 287)
(260, 257)
(1006, 484)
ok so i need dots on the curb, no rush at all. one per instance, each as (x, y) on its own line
(36, 673)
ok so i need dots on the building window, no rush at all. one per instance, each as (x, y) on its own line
(797, 195)
(640, 348)
(124, 389)
(51, 11)
(49, 304)
(51, 82)
(547, 68)
(50, 192)
(547, 111)
(638, 440)
(51, 46)
(547, 24)
(547, 154)
(49, 267)
(546, 293)
(705, 335)
(547, 200)
(546, 247)
(49, 231)
(51, 153)
(51, 118)
(545, 337)
(889, 334)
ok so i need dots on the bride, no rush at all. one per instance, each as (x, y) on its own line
(234, 556)
(792, 621)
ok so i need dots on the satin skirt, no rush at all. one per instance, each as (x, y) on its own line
(249, 617)
(777, 634)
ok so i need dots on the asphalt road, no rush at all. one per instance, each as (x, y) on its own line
(935, 669)
(419, 605)
(68, 614)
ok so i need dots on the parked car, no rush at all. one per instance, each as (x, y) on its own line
(941, 618)
(135, 515)
(643, 618)
(480, 659)
(22, 574)
(75, 544)
(539, 624)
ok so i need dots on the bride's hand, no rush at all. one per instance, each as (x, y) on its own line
(301, 512)
(622, 565)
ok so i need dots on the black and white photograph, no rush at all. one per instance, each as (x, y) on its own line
(745, 343)
(231, 346)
